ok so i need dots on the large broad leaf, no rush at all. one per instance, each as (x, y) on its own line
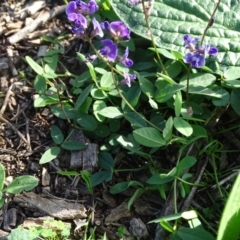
(171, 20)
(229, 225)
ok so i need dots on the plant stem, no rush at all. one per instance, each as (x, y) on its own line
(210, 21)
(152, 40)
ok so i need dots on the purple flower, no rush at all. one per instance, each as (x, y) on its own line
(189, 42)
(92, 6)
(196, 56)
(128, 78)
(97, 30)
(124, 59)
(110, 49)
(196, 60)
(117, 30)
(80, 7)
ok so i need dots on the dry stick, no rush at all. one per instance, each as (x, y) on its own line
(9, 92)
(189, 198)
(43, 17)
(13, 128)
(226, 179)
(27, 132)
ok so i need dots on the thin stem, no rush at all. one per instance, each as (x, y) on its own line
(152, 40)
(210, 21)
(187, 88)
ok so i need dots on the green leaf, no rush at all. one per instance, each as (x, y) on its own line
(185, 163)
(235, 100)
(123, 186)
(73, 145)
(106, 81)
(86, 176)
(167, 131)
(171, 20)
(149, 137)
(2, 176)
(21, 234)
(167, 218)
(159, 179)
(135, 119)
(224, 100)
(146, 86)
(82, 97)
(229, 224)
(97, 106)
(164, 94)
(197, 233)
(198, 79)
(132, 96)
(100, 177)
(166, 225)
(232, 73)
(68, 112)
(111, 112)
(35, 66)
(56, 134)
(40, 84)
(89, 65)
(203, 91)
(1, 202)
(68, 173)
(137, 193)
(178, 104)
(98, 93)
(22, 183)
(182, 126)
(102, 131)
(86, 121)
(106, 161)
(50, 154)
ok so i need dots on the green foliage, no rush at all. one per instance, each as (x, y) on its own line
(50, 230)
(170, 24)
(229, 225)
(19, 184)
(168, 103)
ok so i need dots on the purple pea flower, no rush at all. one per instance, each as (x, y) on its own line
(196, 60)
(97, 30)
(190, 42)
(117, 30)
(128, 78)
(80, 7)
(110, 49)
(124, 59)
(196, 56)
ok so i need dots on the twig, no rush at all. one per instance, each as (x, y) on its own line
(9, 92)
(226, 179)
(189, 198)
(43, 17)
(27, 132)
(13, 128)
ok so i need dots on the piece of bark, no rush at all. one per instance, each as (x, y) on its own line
(117, 213)
(138, 228)
(54, 207)
(86, 159)
(10, 219)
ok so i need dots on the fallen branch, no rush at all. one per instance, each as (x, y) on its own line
(43, 17)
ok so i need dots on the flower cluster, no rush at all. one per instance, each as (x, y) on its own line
(197, 54)
(77, 12)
